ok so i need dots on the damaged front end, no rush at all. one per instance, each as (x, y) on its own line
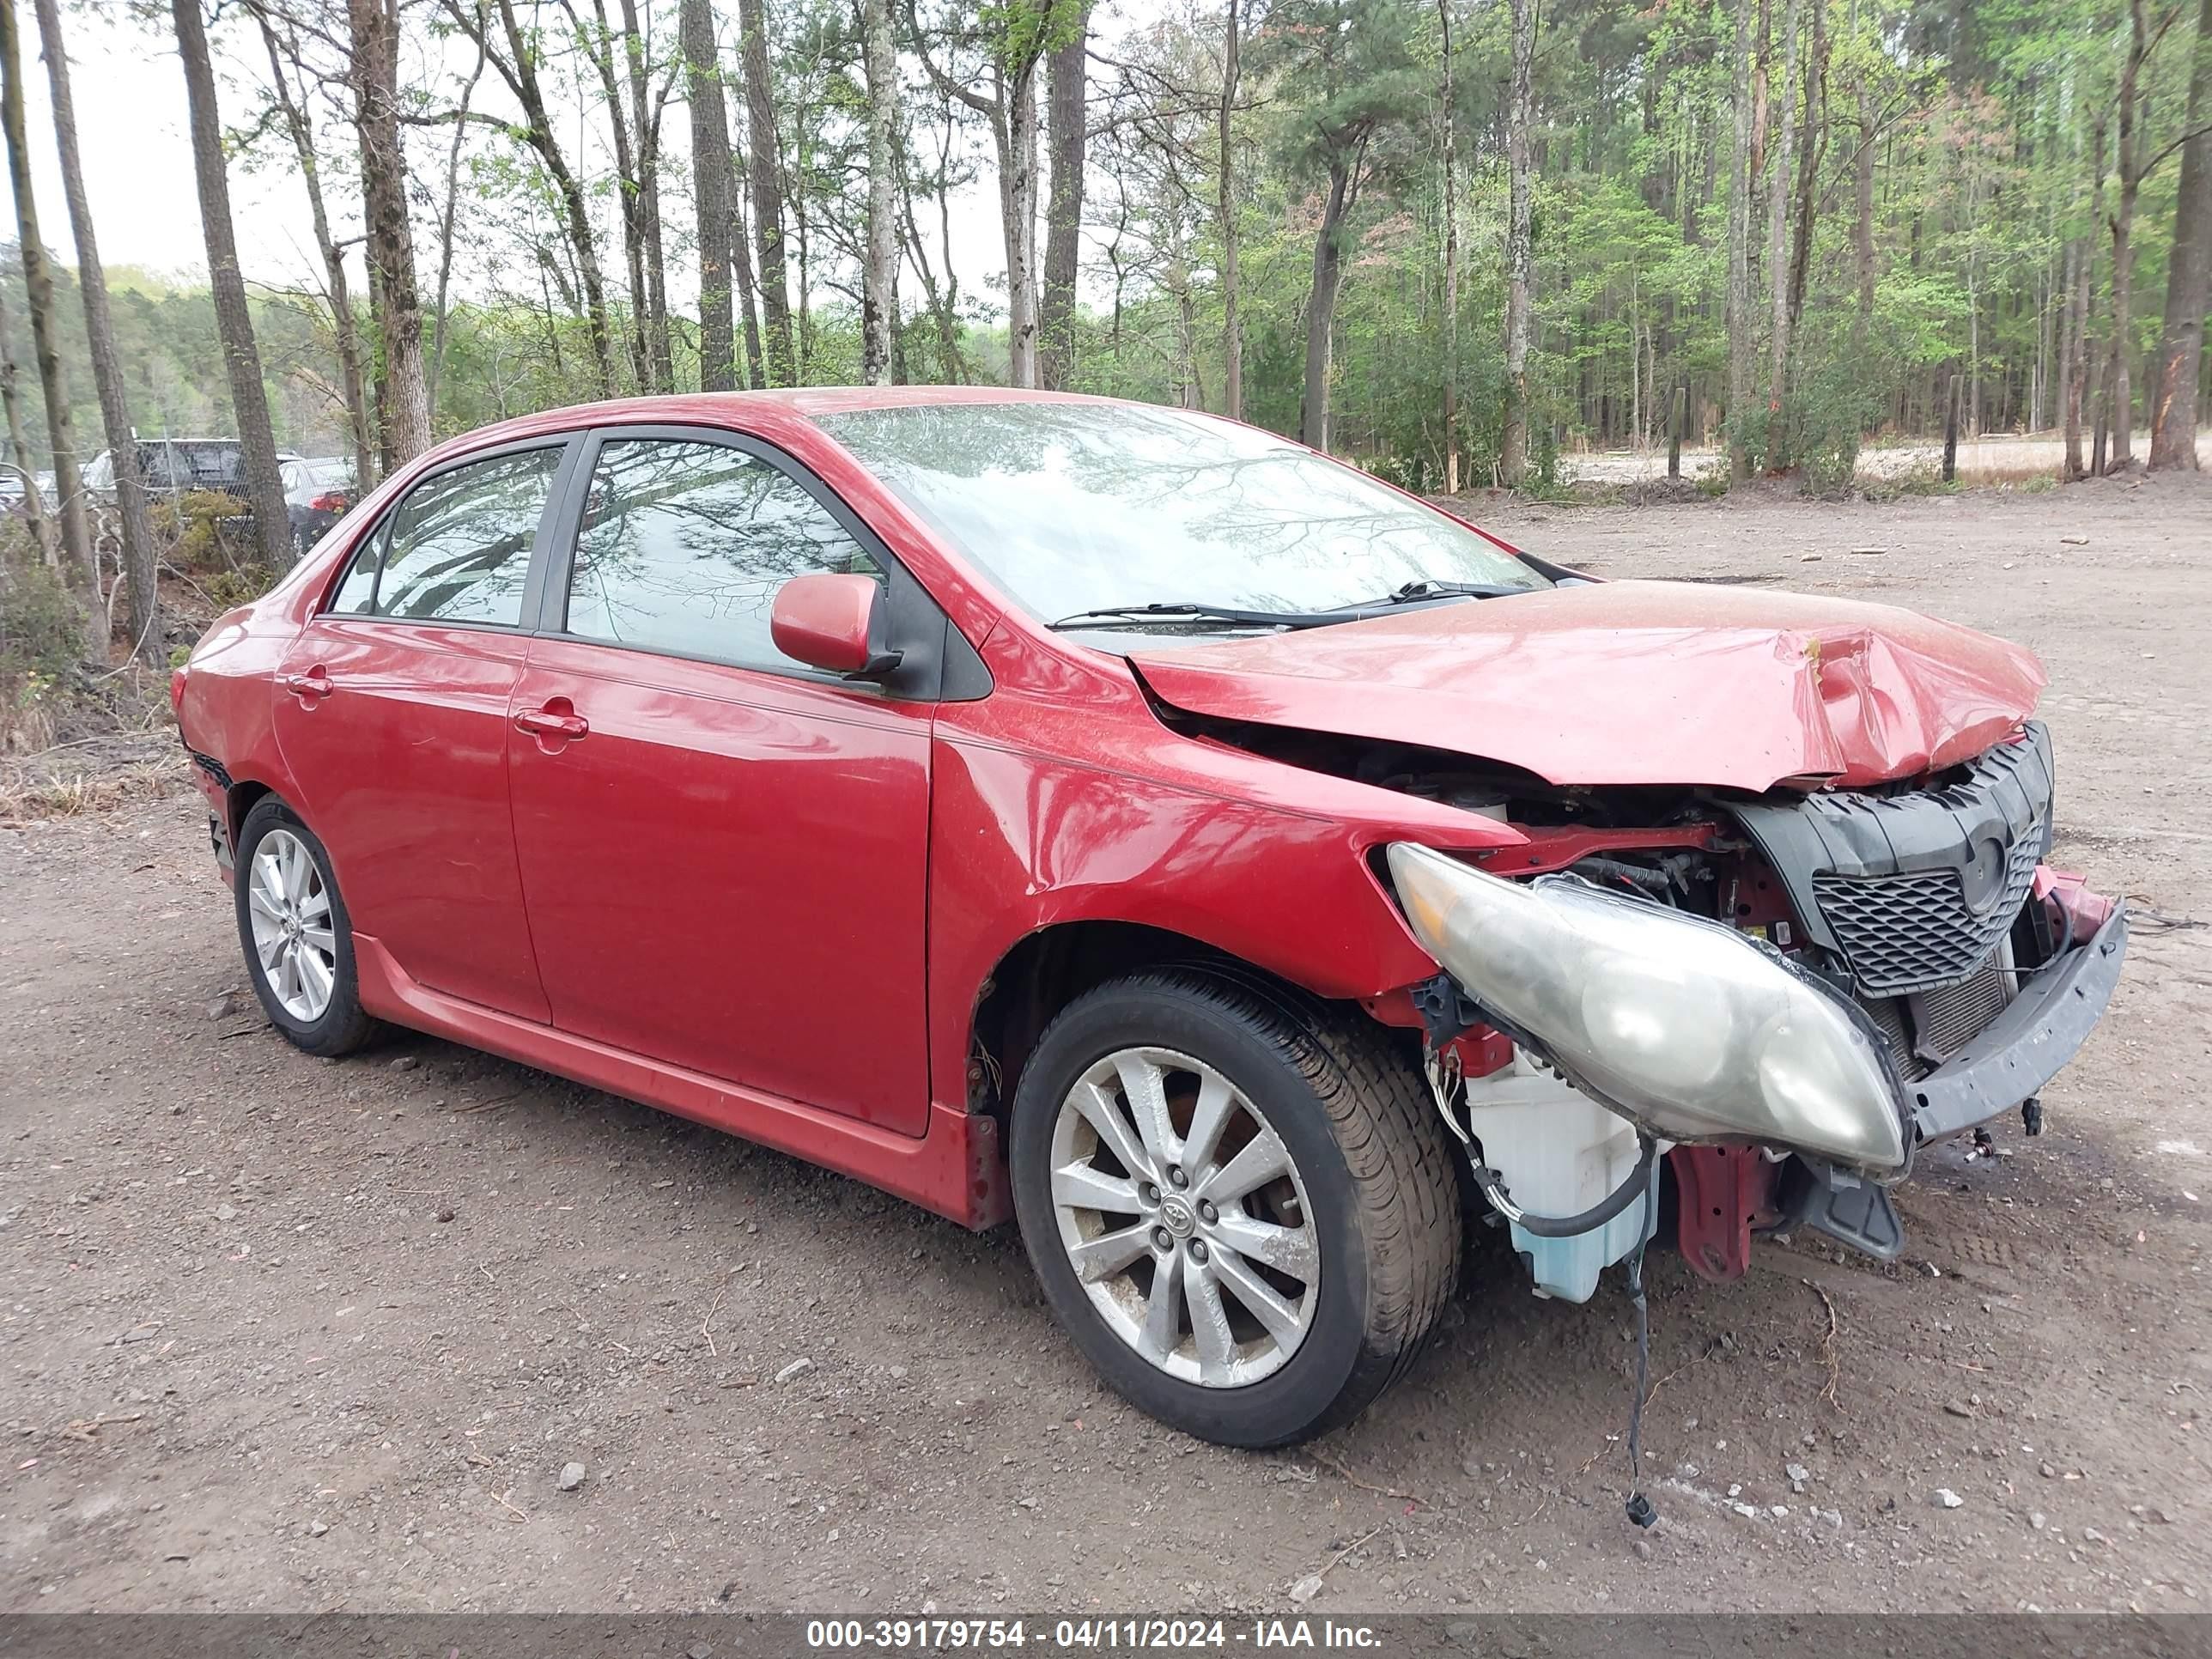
(1817, 987)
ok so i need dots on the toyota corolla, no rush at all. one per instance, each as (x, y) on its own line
(1139, 826)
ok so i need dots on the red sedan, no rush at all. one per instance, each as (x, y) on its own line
(1134, 824)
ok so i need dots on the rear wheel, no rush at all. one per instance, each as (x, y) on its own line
(1240, 1204)
(298, 941)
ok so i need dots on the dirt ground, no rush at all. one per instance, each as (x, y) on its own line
(278, 1334)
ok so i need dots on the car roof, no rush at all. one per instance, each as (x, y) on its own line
(741, 408)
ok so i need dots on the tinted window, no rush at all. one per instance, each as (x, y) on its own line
(1074, 506)
(458, 548)
(683, 546)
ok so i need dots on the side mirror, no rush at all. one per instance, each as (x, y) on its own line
(834, 622)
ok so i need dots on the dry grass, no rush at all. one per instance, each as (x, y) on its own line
(94, 775)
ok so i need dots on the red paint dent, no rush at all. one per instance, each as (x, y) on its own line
(1634, 683)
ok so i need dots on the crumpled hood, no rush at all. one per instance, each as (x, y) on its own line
(1632, 682)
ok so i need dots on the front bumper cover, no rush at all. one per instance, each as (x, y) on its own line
(2028, 1042)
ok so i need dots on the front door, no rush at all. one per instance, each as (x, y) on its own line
(724, 853)
(391, 713)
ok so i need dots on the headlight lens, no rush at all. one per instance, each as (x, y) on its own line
(1679, 1023)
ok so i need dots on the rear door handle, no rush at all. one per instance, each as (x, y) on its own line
(551, 722)
(314, 684)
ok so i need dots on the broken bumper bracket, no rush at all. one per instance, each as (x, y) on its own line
(2026, 1045)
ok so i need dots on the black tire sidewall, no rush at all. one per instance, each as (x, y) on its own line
(342, 1025)
(1290, 1403)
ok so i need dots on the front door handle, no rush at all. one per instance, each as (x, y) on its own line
(314, 685)
(557, 720)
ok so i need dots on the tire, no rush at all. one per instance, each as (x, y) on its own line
(1371, 1188)
(338, 1026)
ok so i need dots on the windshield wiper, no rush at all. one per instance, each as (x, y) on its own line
(1421, 592)
(1198, 614)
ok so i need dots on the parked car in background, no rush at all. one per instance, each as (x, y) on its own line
(172, 468)
(1130, 823)
(318, 492)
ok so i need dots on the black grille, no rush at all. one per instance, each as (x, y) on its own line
(1902, 934)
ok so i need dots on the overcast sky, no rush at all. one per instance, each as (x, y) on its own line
(129, 94)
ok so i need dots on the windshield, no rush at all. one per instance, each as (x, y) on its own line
(1079, 507)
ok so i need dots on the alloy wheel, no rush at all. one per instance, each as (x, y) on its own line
(1184, 1218)
(290, 910)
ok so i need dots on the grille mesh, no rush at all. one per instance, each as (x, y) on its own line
(1902, 934)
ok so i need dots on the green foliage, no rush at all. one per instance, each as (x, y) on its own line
(41, 625)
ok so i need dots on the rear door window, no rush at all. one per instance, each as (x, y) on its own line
(458, 547)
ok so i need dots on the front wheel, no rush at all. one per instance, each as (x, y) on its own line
(1240, 1203)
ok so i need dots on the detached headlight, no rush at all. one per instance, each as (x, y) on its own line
(1682, 1024)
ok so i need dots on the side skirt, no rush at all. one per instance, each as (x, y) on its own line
(954, 1168)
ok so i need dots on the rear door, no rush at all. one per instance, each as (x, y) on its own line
(724, 852)
(392, 713)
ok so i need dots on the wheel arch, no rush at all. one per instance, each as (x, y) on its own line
(1045, 969)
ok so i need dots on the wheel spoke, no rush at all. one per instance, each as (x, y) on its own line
(315, 979)
(1088, 1189)
(258, 900)
(1146, 1087)
(320, 938)
(317, 905)
(1283, 1320)
(1286, 1249)
(287, 972)
(1162, 1326)
(270, 950)
(1111, 1128)
(1217, 1104)
(1263, 1159)
(1209, 1324)
(1109, 1253)
(295, 876)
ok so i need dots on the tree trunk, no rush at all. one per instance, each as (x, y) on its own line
(344, 327)
(879, 303)
(249, 399)
(441, 320)
(135, 536)
(19, 445)
(1521, 116)
(2121, 411)
(520, 70)
(403, 393)
(1018, 184)
(645, 121)
(46, 336)
(1232, 329)
(1812, 143)
(2189, 275)
(2084, 358)
(713, 188)
(1738, 279)
(741, 267)
(768, 195)
(1321, 302)
(599, 44)
(1450, 410)
(1063, 213)
(1778, 182)
(1863, 221)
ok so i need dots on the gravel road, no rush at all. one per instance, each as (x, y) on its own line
(278, 1334)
